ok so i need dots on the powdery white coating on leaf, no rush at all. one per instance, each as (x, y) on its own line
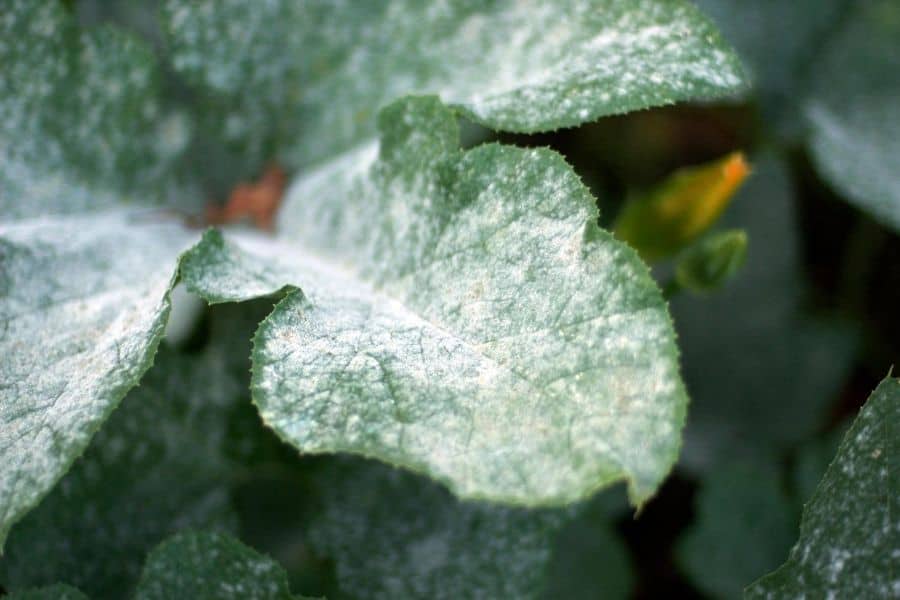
(158, 465)
(211, 566)
(463, 316)
(854, 112)
(81, 122)
(394, 535)
(849, 543)
(84, 302)
(311, 76)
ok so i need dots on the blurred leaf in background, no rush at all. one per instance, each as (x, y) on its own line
(778, 43)
(853, 110)
(744, 523)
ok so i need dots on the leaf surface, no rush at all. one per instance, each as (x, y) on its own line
(211, 566)
(462, 315)
(850, 530)
(394, 535)
(84, 303)
(157, 466)
(50, 592)
(82, 122)
(853, 112)
(85, 298)
(310, 77)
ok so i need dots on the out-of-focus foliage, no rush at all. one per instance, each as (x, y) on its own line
(760, 370)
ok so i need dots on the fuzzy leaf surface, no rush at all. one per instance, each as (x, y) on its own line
(310, 77)
(51, 592)
(850, 530)
(461, 315)
(82, 123)
(121, 498)
(211, 566)
(83, 305)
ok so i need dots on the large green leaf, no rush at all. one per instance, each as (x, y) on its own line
(462, 315)
(309, 77)
(121, 498)
(760, 369)
(82, 123)
(850, 531)
(211, 566)
(854, 114)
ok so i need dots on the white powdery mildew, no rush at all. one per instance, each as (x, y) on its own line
(325, 69)
(80, 115)
(624, 57)
(117, 502)
(850, 532)
(211, 565)
(503, 344)
(75, 338)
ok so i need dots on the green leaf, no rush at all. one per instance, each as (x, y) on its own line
(762, 372)
(211, 565)
(50, 592)
(850, 531)
(391, 534)
(744, 523)
(310, 77)
(853, 111)
(82, 124)
(158, 465)
(83, 304)
(462, 315)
